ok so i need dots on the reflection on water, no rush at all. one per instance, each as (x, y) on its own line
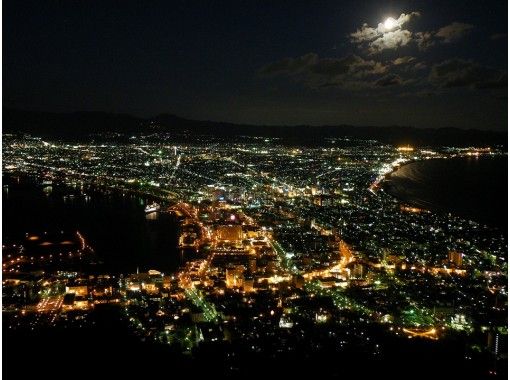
(115, 224)
(473, 188)
(151, 216)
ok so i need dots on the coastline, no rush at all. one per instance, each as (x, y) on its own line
(408, 191)
(116, 225)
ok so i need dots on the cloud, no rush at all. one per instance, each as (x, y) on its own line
(462, 73)
(405, 18)
(420, 66)
(380, 38)
(390, 40)
(453, 32)
(499, 82)
(290, 66)
(403, 60)
(424, 40)
(388, 80)
(352, 65)
(351, 71)
(365, 33)
(377, 39)
(408, 64)
(499, 36)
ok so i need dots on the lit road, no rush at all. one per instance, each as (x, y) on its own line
(430, 334)
(210, 313)
(286, 262)
(50, 304)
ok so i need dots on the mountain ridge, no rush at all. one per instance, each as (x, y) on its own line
(81, 124)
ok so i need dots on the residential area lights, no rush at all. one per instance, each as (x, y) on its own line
(281, 242)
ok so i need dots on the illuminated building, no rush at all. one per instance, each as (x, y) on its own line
(150, 288)
(248, 284)
(358, 271)
(78, 290)
(345, 251)
(455, 257)
(234, 276)
(252, 265)
(285, 322)
(230, 233)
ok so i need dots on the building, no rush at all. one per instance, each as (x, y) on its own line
(234, 276)
(455, 257)
(230, 233)
(78, 290)
(358, 271)
(298, 281)
(345, 252)
(248, 284)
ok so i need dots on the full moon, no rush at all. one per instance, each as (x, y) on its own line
(390, 23)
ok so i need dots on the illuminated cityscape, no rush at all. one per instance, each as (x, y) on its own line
(254, 189)
(280, 244)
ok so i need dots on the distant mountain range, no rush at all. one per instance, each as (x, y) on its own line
(79, 125)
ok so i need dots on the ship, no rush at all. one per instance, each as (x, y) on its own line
(153, 207)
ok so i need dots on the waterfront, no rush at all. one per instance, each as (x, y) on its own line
(294, 256)
(472, 188)
(114, 223)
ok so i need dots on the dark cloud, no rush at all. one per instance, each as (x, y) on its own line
(499, 82)
(424, 40)
(332, 67)
(388, 80)
(317, 72)
(420, 66)
(290, 66)
(461, 73)
(453, 32)
(499, 36)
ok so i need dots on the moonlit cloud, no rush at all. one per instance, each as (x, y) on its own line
(375, 40)
(403, 60)
(405, 18)
(395, 75)
(390, 40)
(365, 33)
(453, 32)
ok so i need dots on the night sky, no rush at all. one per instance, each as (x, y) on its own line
(436, 64)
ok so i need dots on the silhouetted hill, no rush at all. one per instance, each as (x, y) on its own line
(81, 124)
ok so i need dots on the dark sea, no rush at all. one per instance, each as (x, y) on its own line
(471, 188)
(114, 223)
